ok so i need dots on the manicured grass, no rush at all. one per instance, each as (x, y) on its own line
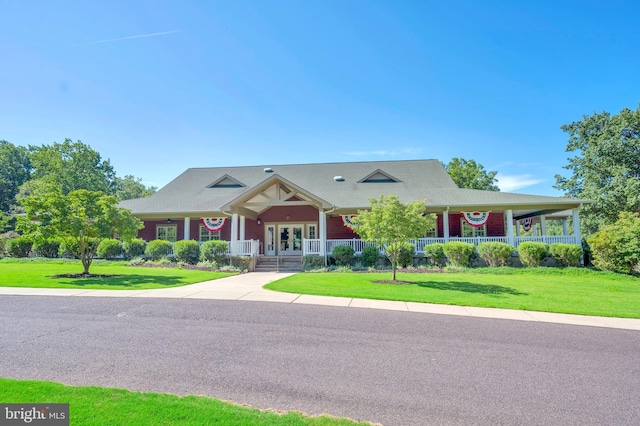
(571, 290)
(94, 406)
(40, 273)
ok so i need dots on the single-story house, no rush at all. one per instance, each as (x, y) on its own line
(300, 209)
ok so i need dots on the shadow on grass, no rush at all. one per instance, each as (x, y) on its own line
(470, 287)
(129, 280)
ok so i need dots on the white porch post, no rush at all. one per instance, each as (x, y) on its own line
(576, 227)
(234, 233)
(510, 228)
(543, 225)
(187, 228)
(322, 231)
(565, 230)
(242, 218)
(517, 228)
(445, 225)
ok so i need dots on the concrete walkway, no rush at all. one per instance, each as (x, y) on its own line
(249, 287)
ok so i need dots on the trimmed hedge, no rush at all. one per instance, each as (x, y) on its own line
(186, 251)
(69, 247)
(405, 258)
(109, 248)
(495, 253)
(459, 253)
(566, 254)
(46, 248)
(18, 247)
(343, 255)
(532, 254)
(214, 250)
(312, 261)
(157, 249)
(435, 254)
(134, 248)
(370, 255)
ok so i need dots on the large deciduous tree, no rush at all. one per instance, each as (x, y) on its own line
(83, 217)
(71, 166)
(15, 169)
(471, 175)
(391, 224)
(606, 166)
(130, 187)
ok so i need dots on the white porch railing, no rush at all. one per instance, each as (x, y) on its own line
(244, 248)
(310, 246)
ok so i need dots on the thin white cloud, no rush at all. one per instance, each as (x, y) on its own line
(129, 37)
(508, 183)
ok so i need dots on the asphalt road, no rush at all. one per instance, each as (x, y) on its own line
(396, 368)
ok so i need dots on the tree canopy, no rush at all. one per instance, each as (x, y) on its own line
(605, 167)
(82, 218)
(391, 224)
(131, 187)
(15, 169)
(471, 175)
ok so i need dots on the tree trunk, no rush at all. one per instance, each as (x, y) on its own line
(393, 267)
(86, 262)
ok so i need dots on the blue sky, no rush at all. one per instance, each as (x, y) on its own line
(161, 86)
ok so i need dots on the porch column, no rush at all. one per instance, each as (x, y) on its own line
(565, 230)
(543, 225)
(517, 228)
(576, 227)
(242, 219)
(234, 233)
(445, 225)
(322, 231)
(510, 238)
(187, 228)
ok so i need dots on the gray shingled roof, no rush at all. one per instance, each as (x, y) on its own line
(191, 194)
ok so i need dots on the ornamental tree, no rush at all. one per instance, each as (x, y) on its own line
(391, 224)
(82, 217)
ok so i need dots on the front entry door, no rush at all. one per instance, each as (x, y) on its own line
(290, 239)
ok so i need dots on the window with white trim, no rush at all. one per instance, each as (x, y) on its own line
(167, 232)
(470, 231)
(432, 232)
(206, 235)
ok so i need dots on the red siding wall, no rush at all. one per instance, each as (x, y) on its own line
(337, 231)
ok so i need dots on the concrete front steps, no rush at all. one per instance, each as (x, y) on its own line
(279, 264)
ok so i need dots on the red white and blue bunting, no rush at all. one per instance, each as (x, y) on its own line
(346, 219)
(476, 219)
(213, 224)
(526, 224)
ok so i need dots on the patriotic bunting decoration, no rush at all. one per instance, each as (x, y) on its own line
(213, 224)
(476, 219)
(526, 224)
(346, 219)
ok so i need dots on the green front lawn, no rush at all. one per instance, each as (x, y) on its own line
(41, 273)
(94, 406)
(571, 290)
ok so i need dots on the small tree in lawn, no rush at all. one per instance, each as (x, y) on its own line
(392, 224)
(85, 217)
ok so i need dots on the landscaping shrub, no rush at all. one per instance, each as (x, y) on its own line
(157, 249)
(566, 254)
(495, 253)
(3, 241)
(435, 254)
(405, 258)
(343, 255)
(240, 262)
(532, 254)
(215, 250)
(616, 247)
(46, 248)
(370, 255)
(18, 247)
(459, 253)
(186, 251)
(134, 248)
(312, 261)
(109, 248)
